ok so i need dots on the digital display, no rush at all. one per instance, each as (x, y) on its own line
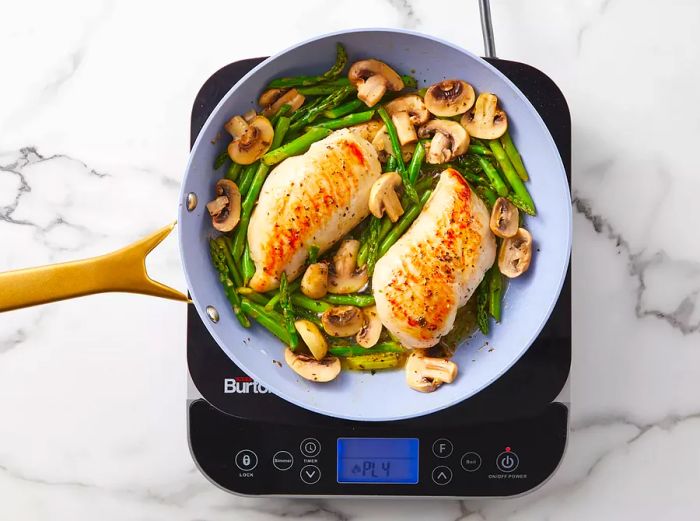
(378, 460)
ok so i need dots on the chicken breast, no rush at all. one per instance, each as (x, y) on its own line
(312, 199)
(434, 268)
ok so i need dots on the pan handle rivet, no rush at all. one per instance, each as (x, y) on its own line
(213, 314)
(191, 201)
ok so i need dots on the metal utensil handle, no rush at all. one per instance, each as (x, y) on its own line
(487, 28)
(122, 270)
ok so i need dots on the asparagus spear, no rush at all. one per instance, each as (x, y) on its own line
(295, 147)
(520, 204)
(288, 313)
(248, 266)
(373, 244)
(416, 162)
(294, 286)
(341, 59)
(247, 178)
(396, 146)
(224, 245)
(372, 362)
(351, 349)
(487, 195)
(352, 299)
(233, 171)
(282, 111)
(494, 177)
(302, 301)
(308, 315)
(402, 224)
(322, 89)
(495, 292)
(253, 296)
(344, 109)
(346, 121)
(220, 159)
(390, 165)
(225, 279)
(330, 101)
(270, 320)
(482, 305)
(313, 254)
(478, 149)
(512, 176)
(514, 156)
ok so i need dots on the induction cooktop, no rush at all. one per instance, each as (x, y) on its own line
(506, 440)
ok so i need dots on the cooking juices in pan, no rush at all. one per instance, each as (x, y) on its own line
(348, 180)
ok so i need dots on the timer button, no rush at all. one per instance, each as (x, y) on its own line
(310, 474)
(310, 447)
(246, 460)
(282, 460)
(471, 461)
(507, 461)
(442, 475)
(442, 448)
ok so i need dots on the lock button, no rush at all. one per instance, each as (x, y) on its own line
(246, 460)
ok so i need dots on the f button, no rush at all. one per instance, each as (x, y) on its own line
(442, 448)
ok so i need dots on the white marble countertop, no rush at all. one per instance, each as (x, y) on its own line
(94, 120)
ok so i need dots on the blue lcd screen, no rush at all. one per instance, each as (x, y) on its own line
(378, 460)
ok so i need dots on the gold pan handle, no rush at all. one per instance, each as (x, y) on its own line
(122, 270)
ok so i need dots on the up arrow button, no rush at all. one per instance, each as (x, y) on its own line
(442, 475)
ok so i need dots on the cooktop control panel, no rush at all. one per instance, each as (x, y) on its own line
(390, 459)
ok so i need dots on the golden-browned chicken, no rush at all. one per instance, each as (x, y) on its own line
(312, 199)
(434, 268)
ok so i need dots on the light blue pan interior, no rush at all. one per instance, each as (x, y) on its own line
(528, 302)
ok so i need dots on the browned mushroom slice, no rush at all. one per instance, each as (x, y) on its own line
(313, 338)
(225, 209)
(314, 283)
(449, 98)
(311, 369)
(272, 99)
(449, 140)
(253, 142)
(372, 79)
(425, 374)
(346, 277)
(382, 144)
(504, 218)
(485, 120)
(371, 330)
(406, 112)
(383, 197)
(515, 254)
(342, 320)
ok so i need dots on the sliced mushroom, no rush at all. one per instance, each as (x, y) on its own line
(372, 79)
(313, 338)
(345, 276)
(314, 283)
(382, 144)
(315, 370)
(371, 330)
(367, 130)
(406, 112)
(413, 105)
(425, 374)
(249, 115)
(449, 140)
(253, 142)
(449, 98)
(225, 209)
(272, 99)
(485, 120)
(383, 197)
(504, 218)
(404, 128)
(342, 320)
(515, 254)
(236, 126)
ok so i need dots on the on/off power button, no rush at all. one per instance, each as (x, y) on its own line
(507, 461)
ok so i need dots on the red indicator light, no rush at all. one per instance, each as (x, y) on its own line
(507, 449)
